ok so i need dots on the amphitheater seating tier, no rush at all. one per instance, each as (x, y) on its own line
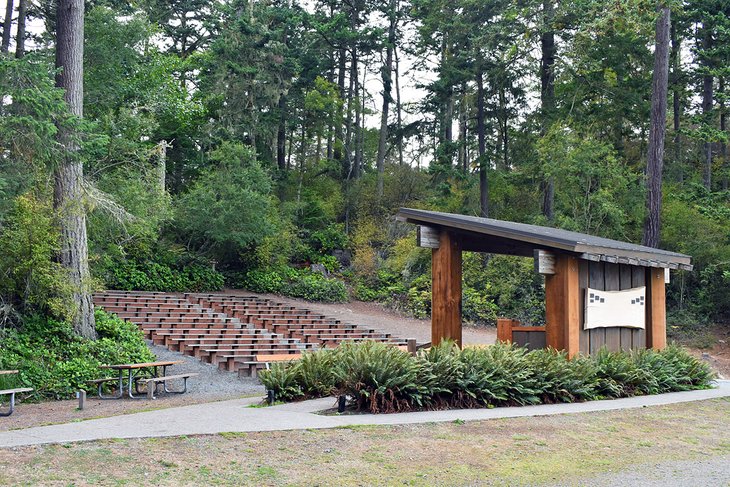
(230, 331)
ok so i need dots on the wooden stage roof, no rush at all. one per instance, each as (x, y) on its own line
(504, 237)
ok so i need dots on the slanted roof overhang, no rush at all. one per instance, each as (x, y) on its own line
(499, 236)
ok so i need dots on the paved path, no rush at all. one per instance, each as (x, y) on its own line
(237, 416)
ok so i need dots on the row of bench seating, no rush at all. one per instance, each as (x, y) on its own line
(236, 333)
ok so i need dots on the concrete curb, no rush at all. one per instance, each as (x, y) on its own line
(237, 416)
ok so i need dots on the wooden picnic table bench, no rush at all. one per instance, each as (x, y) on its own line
(133, 382)
(11, 393)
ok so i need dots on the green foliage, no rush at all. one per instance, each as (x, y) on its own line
(378, 377)
(311, 376)
(156, 268)
(590, 179)
(56, 362)
(381, 378)
(306, 284)
(283, 379)
(30, 279)
(228, 209)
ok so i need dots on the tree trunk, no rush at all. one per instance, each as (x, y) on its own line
(676, 93)
(162, 165)
(20, 39)
(360, 147)
(358, 112)
(655, 157)
(339, 142)
(707, 81)
(504, 128)
(69, 175)
(482, 144)
(387, 87)
(398, 107)
(547, 97)
(281, 135)
(723, 127)
(347, 148)
(7, 27)
(463, 119)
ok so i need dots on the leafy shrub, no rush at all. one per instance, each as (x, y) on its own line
(316, 287)
(156, 268)
(283, 379)
(381, 378)
(561, 379)
(312, 376)
(331, 238)
(56, 362)
(378, 377)
(30, 278)
(154, 276)
(496, 375)
(305, 284)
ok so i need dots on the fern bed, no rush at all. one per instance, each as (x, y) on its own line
(378, 378)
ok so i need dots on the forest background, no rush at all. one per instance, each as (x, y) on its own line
(267, 145)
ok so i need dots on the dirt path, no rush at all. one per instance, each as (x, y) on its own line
(376, 316)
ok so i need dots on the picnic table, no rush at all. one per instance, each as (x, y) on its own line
(11, 393)
(135, 379)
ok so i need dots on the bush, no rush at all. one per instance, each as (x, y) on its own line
(156, 268)
(154, 276)
(377, 377)
(380, 378)
(305, 284)
(312, 376)
(57, 363)
(31, 281)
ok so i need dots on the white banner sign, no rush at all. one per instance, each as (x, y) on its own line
(606, 309)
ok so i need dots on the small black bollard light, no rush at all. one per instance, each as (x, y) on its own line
(341, 402)
(270, 397)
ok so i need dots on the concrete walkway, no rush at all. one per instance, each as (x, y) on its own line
(237, 416)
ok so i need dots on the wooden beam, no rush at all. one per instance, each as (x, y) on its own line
(656, 313)
(562, 306)
(446, 290)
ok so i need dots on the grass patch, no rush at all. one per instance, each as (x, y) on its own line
(512, 451)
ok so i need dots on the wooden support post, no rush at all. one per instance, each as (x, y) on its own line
(446, 290)
(656, 313)
(562, 306)
(504, 329)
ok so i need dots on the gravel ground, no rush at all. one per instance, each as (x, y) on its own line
(708, 472)
(211, 381)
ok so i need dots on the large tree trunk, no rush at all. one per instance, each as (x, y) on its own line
(723, 128)
(676, 94)
(358, 113)
(655, 156)
(547, 97)
(387, 87)
(463, 131)
(398, 107)
(482, 145)
(707, 81)
(20, 39)
(7, 26)
(339, 142)
(281, 135)
(69, 175)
